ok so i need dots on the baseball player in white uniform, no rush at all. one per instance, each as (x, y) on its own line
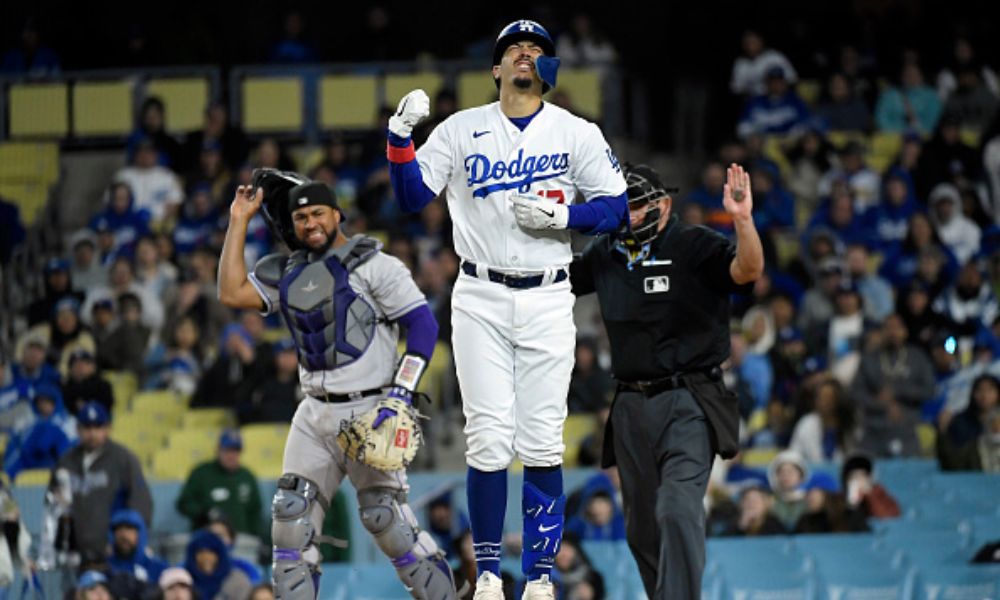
(511, 171)
(341, 299)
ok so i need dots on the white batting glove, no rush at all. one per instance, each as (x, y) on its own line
(531, 212)
(413, 108)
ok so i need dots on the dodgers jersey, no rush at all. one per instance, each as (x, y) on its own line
(483, 159)
(385, 283)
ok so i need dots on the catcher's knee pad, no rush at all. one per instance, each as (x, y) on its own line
(420, 565)
(295, 570)
(543, 525)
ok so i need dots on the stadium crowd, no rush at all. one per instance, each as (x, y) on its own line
(875, 332)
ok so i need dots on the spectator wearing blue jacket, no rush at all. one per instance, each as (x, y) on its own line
(837, 214)
(221, 526)
(887, 222)
(121, 218)
(211, 567)
(773, 207)
(901, 266)
(708, 195)
(129, 551)
(199, 221)
(780, 110)
(40, 445)
(598, 515)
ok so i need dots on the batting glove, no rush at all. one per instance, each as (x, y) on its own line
(533, 213)
(398, 392)
(414, 107)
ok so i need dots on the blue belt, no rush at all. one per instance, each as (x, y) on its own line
(520, 282)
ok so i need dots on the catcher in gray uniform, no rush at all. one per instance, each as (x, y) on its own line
(342, 300)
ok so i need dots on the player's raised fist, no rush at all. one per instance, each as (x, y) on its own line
(245, 203)
(413, 108)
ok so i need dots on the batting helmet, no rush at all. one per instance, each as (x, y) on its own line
(525, 29)
(643, 187)
(274, 208)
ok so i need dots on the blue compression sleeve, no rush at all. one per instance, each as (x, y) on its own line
(421, 331)
(603, 214)
(487, 498)
(407, 181)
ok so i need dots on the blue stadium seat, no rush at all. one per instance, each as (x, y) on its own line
(957, 583)
(848, 550)
(984, 528)
(611, 559)
(844, 581)
(929, 548)
(750, 552)
(787, 585)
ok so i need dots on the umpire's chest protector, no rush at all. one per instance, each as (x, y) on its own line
(331, 323)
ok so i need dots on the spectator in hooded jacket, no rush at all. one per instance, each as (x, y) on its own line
(85, 384)
(968, 305)
(220, 525)
(199, 221)
(959, 233)
(58, 285)
(152, 129)
(62, 334)
(40, 445)
(129, 550)
(787, 473)
(32, 368)
(122, 219)
(209, 563)
(598, 514)
(87, 270)
(887, 221)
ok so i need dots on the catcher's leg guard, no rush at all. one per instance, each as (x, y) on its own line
(296, 558)
(420, 565)
(543, 525)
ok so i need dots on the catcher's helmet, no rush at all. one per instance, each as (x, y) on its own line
(643, 187)
(525, 29)
(274, 207)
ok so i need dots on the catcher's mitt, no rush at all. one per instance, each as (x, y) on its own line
(388, 443)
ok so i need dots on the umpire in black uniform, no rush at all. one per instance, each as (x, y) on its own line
(664, 290)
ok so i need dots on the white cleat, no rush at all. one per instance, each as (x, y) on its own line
(488, 587)
(540, 589)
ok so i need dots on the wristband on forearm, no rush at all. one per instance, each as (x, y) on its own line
(411, 369)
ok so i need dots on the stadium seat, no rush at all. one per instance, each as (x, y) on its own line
(984, 528)
(398, 85)
(194, 444)
(885, 146)
(170, 463)
(611, 559)
(30, 198)
(957, 583)
(846, 581)
(102, 108)
(583, 86)
(124, 385)
(474, 88)
(348, 101)
(164, 407)
(809, 90)
(206, 417)
(33, 477)
(184, 101)
(766, 583)
(29, 162)
(38, 110)
(263, 446)
(576, 429)
(272, 104)
(839, 139)
(927, 548)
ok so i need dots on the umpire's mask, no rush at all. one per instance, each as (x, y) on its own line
(644, 189)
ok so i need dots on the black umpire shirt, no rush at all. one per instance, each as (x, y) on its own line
(670, 313)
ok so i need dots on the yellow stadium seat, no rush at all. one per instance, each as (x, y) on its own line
(787, 245)
(164, 407)
(102, 108)
(33, 477)
(839, 139)
(272, 104)
(398, 85)
(348, 101)
(970, 137)
(210, 418)
(202, 441)
(475, 88)
(184, 101)
(927, 436)
(583, 86)
(774, 150)
(29, 162)
(576, 429)
(758, 457)
(3, 442)
(264, 435)
(30, 198)
(38, 110)
(809, 90)
(124, 385)
(167, 464)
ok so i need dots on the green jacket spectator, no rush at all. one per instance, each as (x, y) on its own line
(225, 485)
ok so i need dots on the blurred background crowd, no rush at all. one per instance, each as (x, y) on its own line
(872, 134)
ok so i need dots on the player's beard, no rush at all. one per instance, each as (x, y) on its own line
(523, 83)
(322, 248)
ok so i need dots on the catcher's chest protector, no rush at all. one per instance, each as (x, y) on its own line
(332, 325)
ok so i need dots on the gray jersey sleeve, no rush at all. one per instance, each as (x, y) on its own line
(392, 285)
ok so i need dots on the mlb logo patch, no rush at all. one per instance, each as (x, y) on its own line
(402, 438)
(657, 284)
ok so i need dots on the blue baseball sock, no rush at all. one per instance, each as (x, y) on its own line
(487, 494)
(543, 505)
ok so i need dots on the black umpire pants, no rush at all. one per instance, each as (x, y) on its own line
(664, 457)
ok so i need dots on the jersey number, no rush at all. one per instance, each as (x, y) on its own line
(557, 194)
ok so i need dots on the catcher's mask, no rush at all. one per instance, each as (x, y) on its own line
(643, 189)
(276, 185)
